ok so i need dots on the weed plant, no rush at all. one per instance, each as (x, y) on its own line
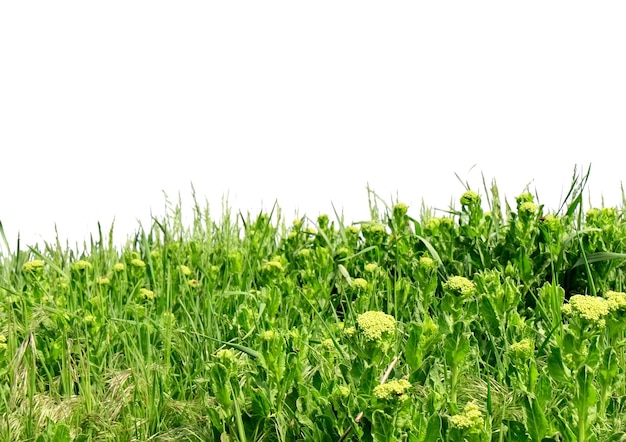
(492, 322)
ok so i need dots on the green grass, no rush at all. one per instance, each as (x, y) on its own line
(408, 326)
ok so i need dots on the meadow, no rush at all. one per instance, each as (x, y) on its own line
(492, 321)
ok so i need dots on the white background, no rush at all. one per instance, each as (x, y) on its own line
(104, 106)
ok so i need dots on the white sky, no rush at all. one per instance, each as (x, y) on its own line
(106, 105)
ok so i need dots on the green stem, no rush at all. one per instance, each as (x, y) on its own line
(454, 379)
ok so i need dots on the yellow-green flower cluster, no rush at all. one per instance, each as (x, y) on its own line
(304, 254)
(373, 324)
(34, 266)
(349, 332)
(374, 231)
(523, 349)
(226, 355)
(427, 263)
(525, 197)
(359, 284)
(168, 319)
(146, 293)
(103, 280)
(371, 267)
(616, 300)
(185, 270)
(342, 391)
(601, 217)
(194, 283)
(3, 342)
(590, 308)
(81, 265)
(400, 210)
(352, 230)
(394, 389)
(268, 335)
(470, 198)
(118, 267)
(552, 221)
(471, 417)
(137, 263)
(460, 285)
(527, 209)
(328, 344)
(433, 224)
(274, 266)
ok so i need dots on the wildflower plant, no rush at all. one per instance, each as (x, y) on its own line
(465, 325)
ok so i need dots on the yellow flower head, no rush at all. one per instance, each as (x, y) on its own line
(616, 300)
(194, 283)
(146, 294)
(589, 308)
(373, 324)
(525, 197)
(342, 391)
(268, 335)
(371, 267)
(138, 263)
(34, 266)
(352, 230)
(359, 284)
(523, 349)
(552, 221)
(185, 270)
(400, 210)
(303, 254)
(460, 285)
(273, 266)
(392, 390)
(81, 265)
(226, 355)
(328, 344)
(119, 267)
(103, 280)
(470, 198)
(427, 263)
(471, 417)
(527, 209)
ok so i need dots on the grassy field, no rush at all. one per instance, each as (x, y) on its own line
(490, 322)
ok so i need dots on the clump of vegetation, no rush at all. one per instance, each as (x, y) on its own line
(487, 322)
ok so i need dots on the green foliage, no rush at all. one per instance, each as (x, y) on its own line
(488, 322)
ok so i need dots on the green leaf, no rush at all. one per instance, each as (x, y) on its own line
(598, 257)
(433, 430)
(412, 350)
(587, 395)
(535, 419)
(517, 431)
(556, 368)
(489, 316)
